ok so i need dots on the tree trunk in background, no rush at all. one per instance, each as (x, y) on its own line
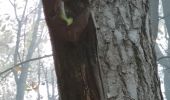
(127, 68)
(166, 12)
(52, 84)
(39, 80)
(46, 81)
(154, 17)
(21, 77)
(167, 82)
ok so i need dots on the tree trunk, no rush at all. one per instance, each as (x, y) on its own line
(166, 83)
(126, 69)
(128, 61)
(20, 78)
(166, 12)
(154, 17)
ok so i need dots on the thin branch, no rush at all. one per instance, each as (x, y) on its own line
(3, 77)
(24, 63)
(23, 13)
(31, 12)
(11, 3)
(19, 57)
(15, 11)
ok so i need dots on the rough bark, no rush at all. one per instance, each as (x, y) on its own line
(127, 63)
(126, 52)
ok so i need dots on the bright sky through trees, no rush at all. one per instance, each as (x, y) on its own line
(8, 30)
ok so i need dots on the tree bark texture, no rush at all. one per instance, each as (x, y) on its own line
(126, 51)
(126, 69)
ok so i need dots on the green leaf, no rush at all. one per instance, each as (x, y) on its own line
(69, 21)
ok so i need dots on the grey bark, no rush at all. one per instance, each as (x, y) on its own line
(126, 53)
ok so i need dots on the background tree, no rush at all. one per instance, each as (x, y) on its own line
(166, 71)
(23, 36)
(154, 18)
(163, 51)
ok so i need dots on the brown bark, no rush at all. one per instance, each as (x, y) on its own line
(74, 50)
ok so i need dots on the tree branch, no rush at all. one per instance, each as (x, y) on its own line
(33, 59)
(15, 11)
(23, 13)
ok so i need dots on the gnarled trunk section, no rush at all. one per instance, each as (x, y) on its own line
(127, 67)
(75, 53)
